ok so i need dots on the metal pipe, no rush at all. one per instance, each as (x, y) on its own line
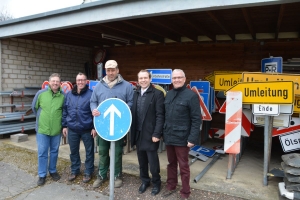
(17, 127)
(15, 105)
(112, 170)
(1, 72)
(266, 148)
(16, 124)
(17, 118)
(199, 176)
(16, 130)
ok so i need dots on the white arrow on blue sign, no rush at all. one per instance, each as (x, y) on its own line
(114, 120)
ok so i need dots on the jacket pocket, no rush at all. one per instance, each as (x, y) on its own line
(180, 131)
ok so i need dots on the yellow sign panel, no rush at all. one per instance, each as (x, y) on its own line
(210, 78)
(279, 92)
(226, 81)
(263, 77)
(297, 105)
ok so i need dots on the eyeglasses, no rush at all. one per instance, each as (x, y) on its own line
(81, 80)
(179, 77)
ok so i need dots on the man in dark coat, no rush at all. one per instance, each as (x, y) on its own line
(146, 130)
(181, 131)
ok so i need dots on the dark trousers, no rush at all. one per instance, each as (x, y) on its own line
(150, 158)
(178, 154)
(74, 142)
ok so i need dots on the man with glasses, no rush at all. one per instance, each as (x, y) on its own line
(78, 125)
(181, 131)
(47, 106)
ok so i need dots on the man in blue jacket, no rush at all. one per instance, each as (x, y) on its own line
(111, 86)
(77, 124)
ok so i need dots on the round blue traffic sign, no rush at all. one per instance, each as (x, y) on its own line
(114, 120)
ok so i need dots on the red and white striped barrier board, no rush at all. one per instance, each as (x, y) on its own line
(216, 133)
(233, 122)
(246, 122)
(294, 127)
(217, 105)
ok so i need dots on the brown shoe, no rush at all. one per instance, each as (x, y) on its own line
(72, 177)
(167, 192)
(86, 178)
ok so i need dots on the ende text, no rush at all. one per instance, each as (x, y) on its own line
(268, 92)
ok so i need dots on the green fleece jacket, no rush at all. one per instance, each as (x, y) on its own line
(47, 107)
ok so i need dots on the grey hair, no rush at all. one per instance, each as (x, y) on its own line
(55, 75)
(179, 70)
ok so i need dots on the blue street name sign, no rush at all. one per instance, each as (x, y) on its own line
(271, 65)
(114, 120)
(161, 76)
(93, 84)
(205, 151)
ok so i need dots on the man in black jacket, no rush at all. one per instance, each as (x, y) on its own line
(146, 130)
(181, 131)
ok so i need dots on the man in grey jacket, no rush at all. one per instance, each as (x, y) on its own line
(111, 86)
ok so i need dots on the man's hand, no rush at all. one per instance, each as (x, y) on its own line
(93, 133)
(65, 132)
(155, 139)
(95, 113)
(190, 144)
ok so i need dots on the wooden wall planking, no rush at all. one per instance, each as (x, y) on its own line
(198, 60)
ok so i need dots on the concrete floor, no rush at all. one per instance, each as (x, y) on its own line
(246, 181)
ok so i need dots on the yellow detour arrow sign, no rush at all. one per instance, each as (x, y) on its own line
(279, 92)
(263, 77)
(226, 81)
(210, 78)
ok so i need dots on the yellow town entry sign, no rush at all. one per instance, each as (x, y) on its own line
(279, 92)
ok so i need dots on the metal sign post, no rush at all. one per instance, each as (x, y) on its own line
(267, 146)
(112, 124)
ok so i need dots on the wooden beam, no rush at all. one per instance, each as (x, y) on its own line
(196, 25)
(122, 27)
(154, 29)
(166, 24)
(221, 24)
(249, 23)
(279, 20)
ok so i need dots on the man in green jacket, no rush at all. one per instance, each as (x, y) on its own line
(47, 106)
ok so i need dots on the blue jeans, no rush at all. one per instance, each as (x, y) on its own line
(74, 142)
(44, 143)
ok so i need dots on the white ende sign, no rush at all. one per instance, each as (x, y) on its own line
(265, 109)
(290, 142)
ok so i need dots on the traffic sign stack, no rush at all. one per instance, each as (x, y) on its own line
(291, 169)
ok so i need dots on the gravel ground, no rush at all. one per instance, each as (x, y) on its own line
(27, 160)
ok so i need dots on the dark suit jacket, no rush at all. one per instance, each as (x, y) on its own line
(152, 119)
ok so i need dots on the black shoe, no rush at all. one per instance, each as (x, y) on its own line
(155, 190)
(41, 181)
(86, 178)
(72, 177)
(55, 176)
(143, 187)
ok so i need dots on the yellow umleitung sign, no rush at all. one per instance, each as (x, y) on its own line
(297, 105)
(279, 92)
(226, 81)
(211, 77)
(263, 77)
